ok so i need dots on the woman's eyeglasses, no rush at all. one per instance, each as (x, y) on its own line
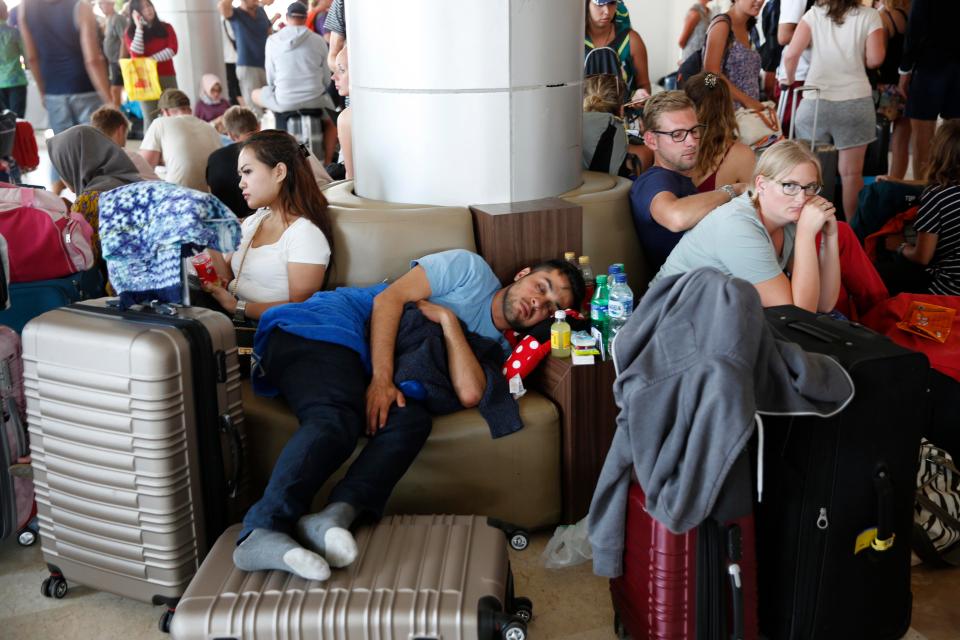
(792, 188)
(679, 135)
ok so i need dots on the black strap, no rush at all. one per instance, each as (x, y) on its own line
(604, 150)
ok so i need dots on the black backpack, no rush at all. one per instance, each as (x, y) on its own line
(694, 62)
(771, 50)
(606, 60)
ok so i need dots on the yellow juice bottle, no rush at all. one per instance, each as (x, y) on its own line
(560, 336)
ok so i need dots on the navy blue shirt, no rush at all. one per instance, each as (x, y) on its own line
(657, 241)
(251, 34)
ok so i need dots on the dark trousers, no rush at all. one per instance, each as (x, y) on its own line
(901, 275)
(15, 99)
(325, 385)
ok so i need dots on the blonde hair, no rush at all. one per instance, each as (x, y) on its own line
(781, 158)
(602, 92)
(664, 102)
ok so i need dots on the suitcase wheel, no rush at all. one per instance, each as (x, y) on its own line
(165, 620)
(519, 540)
(26, 537)
(54, 587)
(515, 630)
(523, 608)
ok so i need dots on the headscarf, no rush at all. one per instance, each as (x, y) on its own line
(90, 161)
(206, 83)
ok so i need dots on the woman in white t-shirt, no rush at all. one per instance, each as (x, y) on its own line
(845, 39)
(285, 247)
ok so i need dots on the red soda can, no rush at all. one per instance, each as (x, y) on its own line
(203, 263)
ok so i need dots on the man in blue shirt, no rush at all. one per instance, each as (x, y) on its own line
(341, 385)
(663, 199)
(251, 27)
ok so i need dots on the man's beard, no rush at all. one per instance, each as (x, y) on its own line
(509, 314)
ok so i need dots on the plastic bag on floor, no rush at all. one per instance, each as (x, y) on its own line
(569, 546)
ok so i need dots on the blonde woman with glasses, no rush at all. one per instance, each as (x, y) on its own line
(768, 236)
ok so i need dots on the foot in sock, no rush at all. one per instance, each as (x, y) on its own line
(328, 533)
(265, 550)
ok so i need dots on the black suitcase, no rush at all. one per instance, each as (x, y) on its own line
(876, 161)
(834, 524)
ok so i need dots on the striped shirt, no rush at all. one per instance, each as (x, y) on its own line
(336, 18)
(940, 214)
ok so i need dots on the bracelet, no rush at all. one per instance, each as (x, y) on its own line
(900, 248)
(240, 311)
(729, 190)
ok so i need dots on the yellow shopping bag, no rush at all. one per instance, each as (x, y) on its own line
(140, 79)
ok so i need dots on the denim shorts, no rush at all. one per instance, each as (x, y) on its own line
(844, 123)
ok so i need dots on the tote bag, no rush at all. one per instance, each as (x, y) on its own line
(140, 79)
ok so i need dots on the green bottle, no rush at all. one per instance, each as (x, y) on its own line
(599, 309)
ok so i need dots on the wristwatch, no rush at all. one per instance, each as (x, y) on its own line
(240, 312)
(729, 190)
(900, 248)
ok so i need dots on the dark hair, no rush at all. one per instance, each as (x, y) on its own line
(109, 120)
(943, 167)
(577, 286)
(837, 9)
(4, 13)
(299, 193)
(711, 94)
(155, 29)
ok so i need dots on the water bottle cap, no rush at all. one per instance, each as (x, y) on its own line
(560, 314)
(620, 278)
(602, 279)
(614, 269)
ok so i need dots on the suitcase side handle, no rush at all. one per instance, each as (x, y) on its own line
(228, 428)
(813, 331)
(885, 510)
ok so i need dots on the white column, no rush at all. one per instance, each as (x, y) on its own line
(197, 23)
(465, 101)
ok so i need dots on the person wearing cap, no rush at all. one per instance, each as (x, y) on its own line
(251, 27)
(180, 141)
(605, 29)
(296, 66)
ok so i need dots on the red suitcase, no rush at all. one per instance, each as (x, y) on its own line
(701, 584)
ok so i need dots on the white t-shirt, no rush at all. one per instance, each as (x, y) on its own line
(186, 143)
(837, 52)
(263, 277)
(791, 11)
(143, 167)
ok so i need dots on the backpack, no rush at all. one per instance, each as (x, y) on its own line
(43, 239)
(771, 50)
(606, 60)
(694, 62)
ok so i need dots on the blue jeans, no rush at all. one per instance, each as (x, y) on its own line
(325, 384)
(65, 111)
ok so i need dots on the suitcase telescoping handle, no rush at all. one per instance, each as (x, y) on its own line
(816, 109)
(884, 488)
(228, 428)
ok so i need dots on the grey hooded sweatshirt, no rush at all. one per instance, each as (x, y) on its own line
(695, 364)
(296, 64)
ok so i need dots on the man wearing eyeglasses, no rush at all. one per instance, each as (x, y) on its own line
(664, 200)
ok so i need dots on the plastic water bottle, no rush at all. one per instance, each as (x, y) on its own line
(560, 336)
(599, 312)
(620, 305)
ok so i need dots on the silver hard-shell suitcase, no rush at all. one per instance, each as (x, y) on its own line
(136, 433)
(427, 577)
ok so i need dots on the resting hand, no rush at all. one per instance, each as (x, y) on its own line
(818, 214)
(221, 295)
(381, 394)
(892, 242)
(434, 312)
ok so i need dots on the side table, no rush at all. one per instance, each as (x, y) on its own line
(584, 396)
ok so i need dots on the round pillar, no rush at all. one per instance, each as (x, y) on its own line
(199, 34)
(467, 102)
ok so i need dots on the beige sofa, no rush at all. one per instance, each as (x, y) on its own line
(461, 468)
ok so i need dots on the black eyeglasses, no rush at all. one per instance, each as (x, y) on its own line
(793, 188)
(679, 135)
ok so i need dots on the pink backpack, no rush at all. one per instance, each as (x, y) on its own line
(44, 240)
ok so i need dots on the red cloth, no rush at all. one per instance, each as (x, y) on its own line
(155, 45)
(861, 287)
(884, 317)
(25, 150)
(892, 226)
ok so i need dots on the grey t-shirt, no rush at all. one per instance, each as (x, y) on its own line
(113, 37)
(731, 239)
